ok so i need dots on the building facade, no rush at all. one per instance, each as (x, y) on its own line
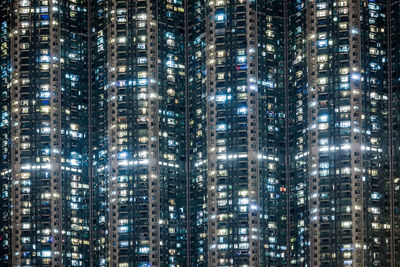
(46, 146)
(394, 126)
(236, 133)
(5, 132)
(338, 116)
(199, 133)
(138, 133)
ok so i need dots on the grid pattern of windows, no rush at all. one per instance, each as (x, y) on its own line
(49, 145)
(338, 116)
(297, 141)
(199, 133)
(236, 121)
(138, 133)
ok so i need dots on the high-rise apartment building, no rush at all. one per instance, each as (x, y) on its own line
(138, 133)
(338, 117)
(45, 133)
(236, 133)
(199, 133)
